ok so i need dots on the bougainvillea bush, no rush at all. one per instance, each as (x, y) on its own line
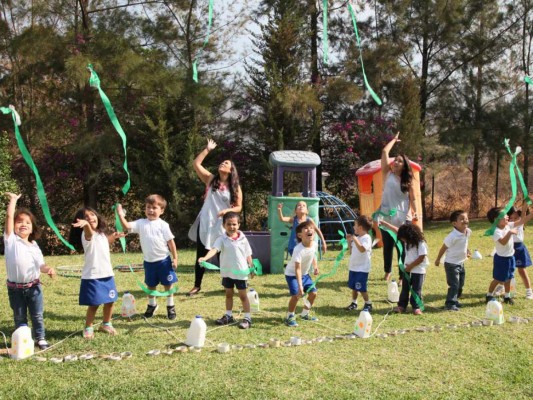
(348, 146)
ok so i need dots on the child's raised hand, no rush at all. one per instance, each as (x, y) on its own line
(80, 223)
(211, 144)
(280, 206)
(120, 210)
(13, 196)
(397, 136)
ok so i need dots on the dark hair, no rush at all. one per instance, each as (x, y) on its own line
(493, 213)
(406, 175)
(35, 230)
(513, 210)
(156, 199)
(364, 222)
(233, 183)
(301, 227)
(411, 235)
(455, 215)
(229, 215)
(75, 233)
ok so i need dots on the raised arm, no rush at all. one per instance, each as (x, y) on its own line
(87, 230)
(122, 216)
(280, 214)
(204, 175)
(10, 212)
(385, 156)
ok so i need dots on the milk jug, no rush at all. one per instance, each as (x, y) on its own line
(363, 325)
(128, 305)
(495, 312)
(253, 298)
(477, 255)
(21, 343)
(393, 294)
(196, 332)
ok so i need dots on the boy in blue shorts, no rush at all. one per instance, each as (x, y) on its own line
(157, 244)
(360, 246)
(297, 272)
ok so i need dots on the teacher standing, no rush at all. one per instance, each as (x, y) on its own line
(223, 194)
(398, 199)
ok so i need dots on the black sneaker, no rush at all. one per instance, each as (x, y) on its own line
(351, 307)
(368, 307)
(225, 320)
(43, 344)
(245, 323)
(458, 305)
(453, 307)
(508, 300)
(150, 310)
(171, 312)
(489, 298)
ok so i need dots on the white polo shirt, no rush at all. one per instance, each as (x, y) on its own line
(154, 236)
(504, 250)
(457, 244)
(233, 255)
(23, 259)
(302, 255)
(360, 261)
(97, 263)
(413, 253)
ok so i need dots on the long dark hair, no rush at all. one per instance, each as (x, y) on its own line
(233, 183)
(35, 229)
(74, 236)
(411, 234)
(406, 176)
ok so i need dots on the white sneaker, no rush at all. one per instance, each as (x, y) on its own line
(529, 294)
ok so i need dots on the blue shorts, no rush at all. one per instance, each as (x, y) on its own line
(94, 292)
(358, 280)
(521, 255)
(307, 282)
(159, 272)
(503, 269)
(230, 283)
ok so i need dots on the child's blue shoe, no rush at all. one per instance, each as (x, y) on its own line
(308, 317)
(291, 321)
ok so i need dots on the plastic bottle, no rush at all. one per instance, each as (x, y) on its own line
(494, 312)
(21, 343)
(196, 332)
(253, 298)
(393, 294)
(363, 325)
(477, 255)
(128, 305)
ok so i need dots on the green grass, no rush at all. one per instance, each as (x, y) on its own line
(471, 363)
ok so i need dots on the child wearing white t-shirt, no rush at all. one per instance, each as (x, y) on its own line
(456, 248)
(360, 246)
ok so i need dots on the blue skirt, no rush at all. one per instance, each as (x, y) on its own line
(521, 255)
(94, 292)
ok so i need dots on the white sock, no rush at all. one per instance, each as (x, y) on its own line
(229, 313)
(290, 315)
(248, 316)
(354, 301)
(170, 300)
(507, 295)
(305, 312)
(529, 290)
(368, 302)
(152, 301)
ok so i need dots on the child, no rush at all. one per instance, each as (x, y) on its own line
(24, 264)
(97, 277)
(235, 255)
(416, 261)
(156, 241)
(456, 248)
(504, 262)
(359, 266)
(300, 215)
(521, 255)
(297, 272)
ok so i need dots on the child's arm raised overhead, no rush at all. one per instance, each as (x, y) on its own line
(321, 236)
(385, 168)
(441, 253)
(10, 212)
(174, 252)
(280, 214)
(525, 217)
(122, 216)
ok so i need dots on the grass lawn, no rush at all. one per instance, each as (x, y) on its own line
(462, 363)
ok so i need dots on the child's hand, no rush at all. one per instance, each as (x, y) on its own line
(468, 253)
(514, 231)
(201, 260)
(300, 291)
(211, 144)
(80, 223)
(121, 211)
(118, 235)
(13, 196)
(175, 264)
(316, 271)
(324, 247)
(437, 262)
(51, 272)
(280, 206)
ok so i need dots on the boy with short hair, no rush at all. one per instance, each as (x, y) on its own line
(360, 246)
(456, 248)
(157, 244)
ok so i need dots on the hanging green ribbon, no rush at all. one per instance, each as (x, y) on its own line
(40, 187)
(391, 213)
(528, 80)
(325, 44)
(523, 186)
(206, 40)
(338, 260)
(118, 225)
(406, 275)
(257, 268)
(94, 81)
(370, 90)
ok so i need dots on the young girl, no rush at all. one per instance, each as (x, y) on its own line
(300, 215)
(521, 255)
(97, 277)
(24, 264)
(416, 261)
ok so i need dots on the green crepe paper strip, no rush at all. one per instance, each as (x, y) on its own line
(94, 81)
(370, 90)
(325, 44)
(338, 260)
(206, 40)
(40, 187)
(528, 80)
(518, 172)
(118, 225)
(248, 271)
(391, 213)
(399, 245)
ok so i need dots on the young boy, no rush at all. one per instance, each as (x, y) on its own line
(235, 261)
(157, 244)
(504, 261)
(456, 248)
(297, 272)
(360, 246)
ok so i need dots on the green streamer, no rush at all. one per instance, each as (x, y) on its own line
(528, 80)
(406, 275)
(519, 173)
(40, 187)
(391, 213)
(118, 225)
(257, 268)
(370, 90)
(325, 44)
(94, 81)
(206, 40)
